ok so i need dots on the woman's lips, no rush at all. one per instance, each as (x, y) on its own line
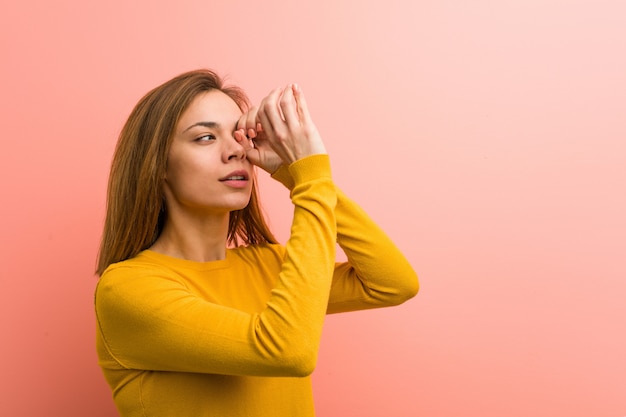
(236, 179)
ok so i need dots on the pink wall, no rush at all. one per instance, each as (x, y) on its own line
(487, 137)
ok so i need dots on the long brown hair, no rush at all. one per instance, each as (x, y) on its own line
(135, 212)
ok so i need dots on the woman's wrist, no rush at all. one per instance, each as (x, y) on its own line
(309, 168)
(283, 176)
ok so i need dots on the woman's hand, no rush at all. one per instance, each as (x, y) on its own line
(251, 136)
(281, 130)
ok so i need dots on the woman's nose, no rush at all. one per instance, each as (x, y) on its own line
(234, 150)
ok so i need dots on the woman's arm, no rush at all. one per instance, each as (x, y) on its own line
(377, 274)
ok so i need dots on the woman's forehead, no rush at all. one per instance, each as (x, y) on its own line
(214, 106)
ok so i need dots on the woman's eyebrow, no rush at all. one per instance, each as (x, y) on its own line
(212, 125)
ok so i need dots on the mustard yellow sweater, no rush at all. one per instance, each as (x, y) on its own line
(239, 336)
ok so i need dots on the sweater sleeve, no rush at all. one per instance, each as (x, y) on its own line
(376, 274)
(150, 322)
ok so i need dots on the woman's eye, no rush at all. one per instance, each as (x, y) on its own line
(205, 138)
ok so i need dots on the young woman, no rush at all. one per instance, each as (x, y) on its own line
(199, 311)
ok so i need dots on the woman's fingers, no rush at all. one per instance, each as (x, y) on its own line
(316, 145)
(268, 110)
(287, 125)
(289, 108)
(247, 122)
(243, 140)
(251, 123)
(303, 109)
(264, 120)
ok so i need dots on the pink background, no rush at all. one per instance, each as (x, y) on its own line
(487, 137)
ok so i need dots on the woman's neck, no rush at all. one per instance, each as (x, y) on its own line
(199, 238)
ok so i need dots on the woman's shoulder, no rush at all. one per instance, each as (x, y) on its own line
(130, 272)
(142, 261)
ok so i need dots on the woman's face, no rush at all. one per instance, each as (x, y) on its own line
(207, 170)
